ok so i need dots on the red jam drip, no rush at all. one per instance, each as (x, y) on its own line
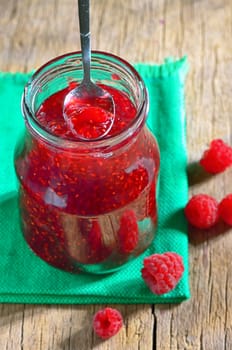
(83, 210)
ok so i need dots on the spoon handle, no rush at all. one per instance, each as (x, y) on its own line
(83, 6)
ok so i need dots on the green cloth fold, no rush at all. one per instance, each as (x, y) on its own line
(25, 278)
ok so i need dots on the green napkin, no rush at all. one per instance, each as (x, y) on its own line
(27, 279)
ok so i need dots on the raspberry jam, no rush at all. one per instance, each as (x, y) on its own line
(87, 205)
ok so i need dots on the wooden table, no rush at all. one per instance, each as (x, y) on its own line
(32, 32)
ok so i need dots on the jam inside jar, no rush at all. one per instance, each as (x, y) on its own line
(87, 205)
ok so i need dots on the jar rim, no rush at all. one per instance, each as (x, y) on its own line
(37, 128)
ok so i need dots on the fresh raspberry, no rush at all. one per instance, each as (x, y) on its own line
(128, 233)
(202, 211)
(225, 209)
(217, 158)
(162, 272)
(107, 322)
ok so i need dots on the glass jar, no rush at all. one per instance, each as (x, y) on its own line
(87, 205)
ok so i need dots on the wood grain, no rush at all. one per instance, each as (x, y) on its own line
(32, 32)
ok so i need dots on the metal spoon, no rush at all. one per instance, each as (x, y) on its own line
(79, 101)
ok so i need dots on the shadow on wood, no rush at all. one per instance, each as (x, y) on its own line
(198, 236)
(196, 174)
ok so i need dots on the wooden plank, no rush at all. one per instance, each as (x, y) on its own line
(34, 327)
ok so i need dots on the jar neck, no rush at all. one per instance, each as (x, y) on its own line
(56, 74)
